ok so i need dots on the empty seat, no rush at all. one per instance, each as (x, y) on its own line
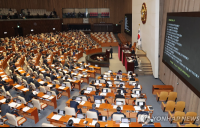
(47, 125)
(190, 117)
(172, 96)
(70, 111)
(117, 117)
(92, 115)
(169, 106)
(180, 106)
(162, 96)
(15, 121)
(38, 105)
(176, 117)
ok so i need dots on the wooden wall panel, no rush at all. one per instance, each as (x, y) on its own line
(165, 74)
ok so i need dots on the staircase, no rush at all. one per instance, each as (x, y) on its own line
(145, 66)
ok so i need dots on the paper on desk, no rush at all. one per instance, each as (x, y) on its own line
(56, 117)
(94, 122)
(16, 86)
(80, 75)
(65, 71)
(20, 70)
(52, 65)
(1, 72)
(137, 108)
(43, 71)
(46, 96)
(96, 84)
(87, 92)
(35, 93)
(103, 94)
(41, 82)
(100, 84)
(98, 105)
(124, 125)
(134, 95)
(3, 75)
(82, 103)
(19, 105)
(3, 100)
(5, 78)
(25, 109)
(110, 85)
(13, 104)
(61, 87)
(51, 97)
(75, 120)
(25, 89)
(50, 85)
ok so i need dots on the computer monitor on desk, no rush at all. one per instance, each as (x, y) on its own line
(78, 98)
(97, 101)
(89, 89)
(61, 112)
(119, 103)
(125, 120)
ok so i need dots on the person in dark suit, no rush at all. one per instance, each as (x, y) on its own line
(111, 52)
(29, 95)
(130, 45)
(52, 77)
(132, 78)
(70, 123)
(98, 97)
(6, 109)
(46, 73)
(119, 95)
(30, 79)
(1, 82)
(117, 79)
(7, 86)
(45, 61)
(54, 89)
(24, 76)
(71, 66)
(14, 93)
(118, 112)
(133, 52)
(121, 88)
(74, 104)
(37, 84)
(94, 110)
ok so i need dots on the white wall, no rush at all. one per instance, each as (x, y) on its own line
(149, 31)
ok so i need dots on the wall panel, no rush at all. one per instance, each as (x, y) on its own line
(165, 74)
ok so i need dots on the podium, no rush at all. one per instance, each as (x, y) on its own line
(124, 56)
(120, 48)
(107, 54)
(130, 66)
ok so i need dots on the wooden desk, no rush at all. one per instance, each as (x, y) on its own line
(92, 51)
(130, 66)
(4, 125)
(113, 79)
(159, 88)
(51, 102)
(64, 119)
(124, 56)
(32, 113)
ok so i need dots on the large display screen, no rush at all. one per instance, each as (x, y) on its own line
(182, 47)
(128, 24)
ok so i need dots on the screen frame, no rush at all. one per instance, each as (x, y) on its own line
(181, 14)
(130, 34)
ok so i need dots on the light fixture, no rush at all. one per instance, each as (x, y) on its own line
(5, 32)
(54, 28)
(32, 30)
(18, 26)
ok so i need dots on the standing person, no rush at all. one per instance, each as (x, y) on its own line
(111, 51)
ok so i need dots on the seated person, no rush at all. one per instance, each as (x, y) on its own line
(132, 78)
(29, 95)
(117, 79)
(7, 86)
(119, 95)
(53, 88)
(70, 123)
(74, 105)
(82, 94)
(98, 97)
(118, 112)
(119, 72)
(6, 109)
(94, 110)
(121, 88)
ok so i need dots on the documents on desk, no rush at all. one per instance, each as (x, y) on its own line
(3, 100)
(50, 85)
(124, 125)
(43, 71)
(56, 117)
(25, 89)
(61, 87)
(16, 86)
(87, 92)
(41, 82)
(35, 93)
(94, 122)
(75, 120)
(51, 97)
(103, 94)
(12, 104)
(98, 105)
(138, 108)
(25, 109)
(82, 103)
(134, 95)
(46, 96)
